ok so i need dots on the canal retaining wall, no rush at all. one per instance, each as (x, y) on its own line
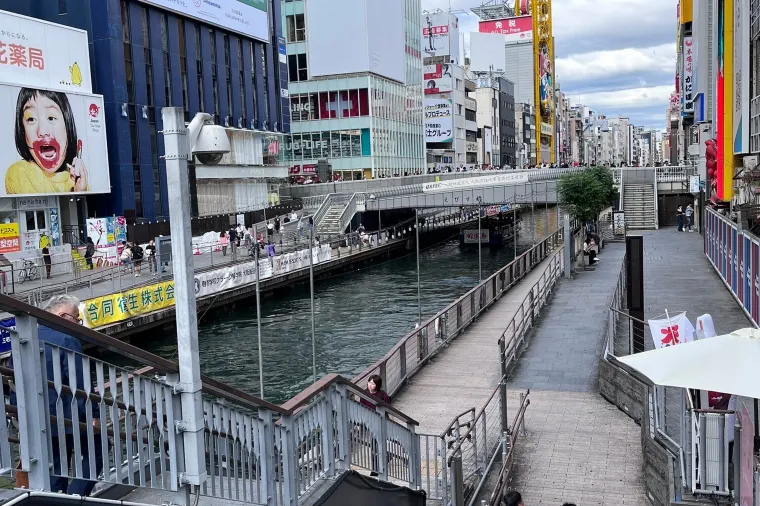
(164, 318)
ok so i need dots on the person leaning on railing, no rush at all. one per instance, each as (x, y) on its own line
(67, 307)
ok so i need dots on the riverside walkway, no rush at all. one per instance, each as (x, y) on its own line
(571, 450)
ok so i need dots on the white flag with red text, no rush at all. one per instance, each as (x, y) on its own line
(669, 332)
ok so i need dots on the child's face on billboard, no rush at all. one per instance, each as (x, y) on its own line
(45, 131)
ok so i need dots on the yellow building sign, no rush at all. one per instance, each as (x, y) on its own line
(119, 307)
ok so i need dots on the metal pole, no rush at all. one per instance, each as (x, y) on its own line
(258, 309)
(480, 262)
(311, 295)
(533, 215)
(514, 230)
(192, 425)
(419, 294)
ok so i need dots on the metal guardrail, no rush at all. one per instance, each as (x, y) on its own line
(417, 347)
(124, 424)
(476, 436)
(508, 454)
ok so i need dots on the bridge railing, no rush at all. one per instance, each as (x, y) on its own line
(125, 424)
(417, 347)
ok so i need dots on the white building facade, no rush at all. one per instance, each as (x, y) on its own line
(355, 92)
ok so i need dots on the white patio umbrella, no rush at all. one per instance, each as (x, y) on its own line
(729, 363)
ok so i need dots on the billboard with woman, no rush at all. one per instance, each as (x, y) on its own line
(53, 142)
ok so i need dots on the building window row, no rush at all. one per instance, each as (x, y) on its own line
(331, 144)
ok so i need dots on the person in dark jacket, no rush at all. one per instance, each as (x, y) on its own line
(375, 389)
(67, 307)
(89, 252)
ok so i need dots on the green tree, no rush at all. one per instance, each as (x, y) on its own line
(587, 193)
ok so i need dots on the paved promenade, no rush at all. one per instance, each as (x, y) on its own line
(454, 381)
(679, 277)
(575, 450)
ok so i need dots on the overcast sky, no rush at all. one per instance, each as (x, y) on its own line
(616, 56)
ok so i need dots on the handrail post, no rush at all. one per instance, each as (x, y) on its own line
(503, 384)
(343, 457)
(456, 481)
(289, 472)
(382, 445)
(266, 437)
(29, 375)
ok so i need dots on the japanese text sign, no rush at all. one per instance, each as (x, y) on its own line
(39, 54)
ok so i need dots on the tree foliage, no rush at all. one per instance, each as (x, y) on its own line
(587, 193)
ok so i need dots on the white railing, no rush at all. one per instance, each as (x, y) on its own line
(125, 427)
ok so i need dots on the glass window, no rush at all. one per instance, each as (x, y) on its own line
(335, 144)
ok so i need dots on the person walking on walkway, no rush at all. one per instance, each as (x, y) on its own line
(47, 259)
(224, 241)
(679, 218)
(270, 230)
(89, 252)
(689, 217)
(151, 248)
(126, 257)
(277, 224)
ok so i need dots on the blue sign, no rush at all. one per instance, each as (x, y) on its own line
(5, 335)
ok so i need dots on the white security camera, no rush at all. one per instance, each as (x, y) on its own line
(209, 141)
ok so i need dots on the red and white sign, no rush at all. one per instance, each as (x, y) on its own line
(517, 29)
(671, 331)
(303, 169)
(471, 236)
(344, 104)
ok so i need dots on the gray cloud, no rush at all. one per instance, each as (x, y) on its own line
(614, 55)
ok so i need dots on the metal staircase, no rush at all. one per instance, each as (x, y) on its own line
(330, 224)
(640, 206)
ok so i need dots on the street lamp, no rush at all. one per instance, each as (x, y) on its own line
(209, 143)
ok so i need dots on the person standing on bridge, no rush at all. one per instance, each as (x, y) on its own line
(679, 218)
(375, 389)
(57, 344)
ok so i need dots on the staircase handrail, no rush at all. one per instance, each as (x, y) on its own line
(348, 212)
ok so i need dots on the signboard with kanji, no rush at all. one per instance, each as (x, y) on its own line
(39, 54)
(439, 121)
(688, 76)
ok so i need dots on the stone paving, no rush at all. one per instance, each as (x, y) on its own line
(454, 382)
(572, 451)
(679, 277)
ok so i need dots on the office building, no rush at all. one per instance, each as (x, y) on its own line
(355, 84)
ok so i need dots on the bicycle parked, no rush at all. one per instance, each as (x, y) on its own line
(30, 272)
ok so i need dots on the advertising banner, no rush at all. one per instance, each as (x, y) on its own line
(247, 17)
(122, 306)
(439, 121)
(435, 34)
(471, 236)
(10, 239)
(52, 142)
(742, 77)
(45, 55)
(440, 85)
(118, 307)
(517, 29)
(474, 182)
(688, 76)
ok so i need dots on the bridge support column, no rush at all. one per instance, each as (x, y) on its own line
(568, 247)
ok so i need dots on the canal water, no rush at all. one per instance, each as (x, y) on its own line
(360, 315)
